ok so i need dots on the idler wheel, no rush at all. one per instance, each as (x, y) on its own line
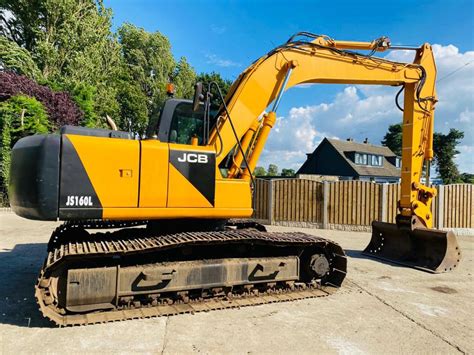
(320, 265)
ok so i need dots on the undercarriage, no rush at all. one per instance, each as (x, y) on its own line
(138, 271)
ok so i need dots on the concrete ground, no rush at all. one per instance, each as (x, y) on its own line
(381, 308)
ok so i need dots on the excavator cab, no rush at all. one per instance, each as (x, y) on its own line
(180, 120)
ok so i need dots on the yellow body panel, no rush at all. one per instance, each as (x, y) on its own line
(153, 173)
(233, 193)
(233, 200)
(112, 166)
(182, 193)
(162, 213)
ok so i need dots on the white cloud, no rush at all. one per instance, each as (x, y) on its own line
(349, 115)
(366, 112)
(465, 158)
(220, 62)
(466, 116)
(218, 29)
(305, 86)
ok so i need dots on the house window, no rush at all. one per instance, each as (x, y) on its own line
(361, 158)
(357, 158)
(398, 162)
(368, 159)
(373, 160)
(376, 160)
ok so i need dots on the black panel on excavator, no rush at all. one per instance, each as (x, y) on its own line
(74, 183)
(34, 177)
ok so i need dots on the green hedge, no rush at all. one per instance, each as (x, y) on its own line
(20, 116)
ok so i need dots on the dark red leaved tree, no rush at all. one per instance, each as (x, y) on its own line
(62, 110)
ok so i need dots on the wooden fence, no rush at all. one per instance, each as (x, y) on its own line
(354, 203)
(261, 197)
(297, 200)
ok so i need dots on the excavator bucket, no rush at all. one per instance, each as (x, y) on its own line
(430, 250)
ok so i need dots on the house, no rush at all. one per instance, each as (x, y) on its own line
(350, 160)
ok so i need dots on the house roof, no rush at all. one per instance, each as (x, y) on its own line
(345, 147)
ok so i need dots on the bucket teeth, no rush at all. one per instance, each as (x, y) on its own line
(430, 250)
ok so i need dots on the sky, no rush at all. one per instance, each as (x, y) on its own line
(227, 36)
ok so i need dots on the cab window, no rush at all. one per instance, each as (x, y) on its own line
(187, 124)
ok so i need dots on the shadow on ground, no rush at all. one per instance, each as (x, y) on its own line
(357, 254)
(19, 271)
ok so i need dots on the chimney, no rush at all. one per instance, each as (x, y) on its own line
(349, 139)
(366, 141)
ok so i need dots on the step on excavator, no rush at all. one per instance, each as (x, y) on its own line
(159, 225)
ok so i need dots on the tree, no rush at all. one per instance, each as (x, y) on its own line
(393, 138)
(288, 172)
(20, 116)
(17, 59)
(259, 171)
(133, 105)
(272, 170)
(21, 21)
(68, 45)
(444, 146)
(60, 107)
(77, 47)
(148, 61)
(184, 79)
(84, 95)
(25, 116)
(467, 178)
(71, 43)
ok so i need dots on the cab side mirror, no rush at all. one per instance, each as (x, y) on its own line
(198, 96)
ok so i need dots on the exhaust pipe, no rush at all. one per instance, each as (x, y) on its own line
(412, 244)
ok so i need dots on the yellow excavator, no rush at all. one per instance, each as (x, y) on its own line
(170, 210)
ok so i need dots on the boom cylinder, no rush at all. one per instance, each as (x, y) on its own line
(268, 122)
(245, 145)
(379, 45)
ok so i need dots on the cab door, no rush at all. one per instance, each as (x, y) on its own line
(192, 165)
(192, 172)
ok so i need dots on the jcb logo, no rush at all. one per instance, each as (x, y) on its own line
(193, 158)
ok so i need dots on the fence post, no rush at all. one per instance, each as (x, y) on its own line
(325, 204)
(383, 203)
(270, 201)
(440, 217)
